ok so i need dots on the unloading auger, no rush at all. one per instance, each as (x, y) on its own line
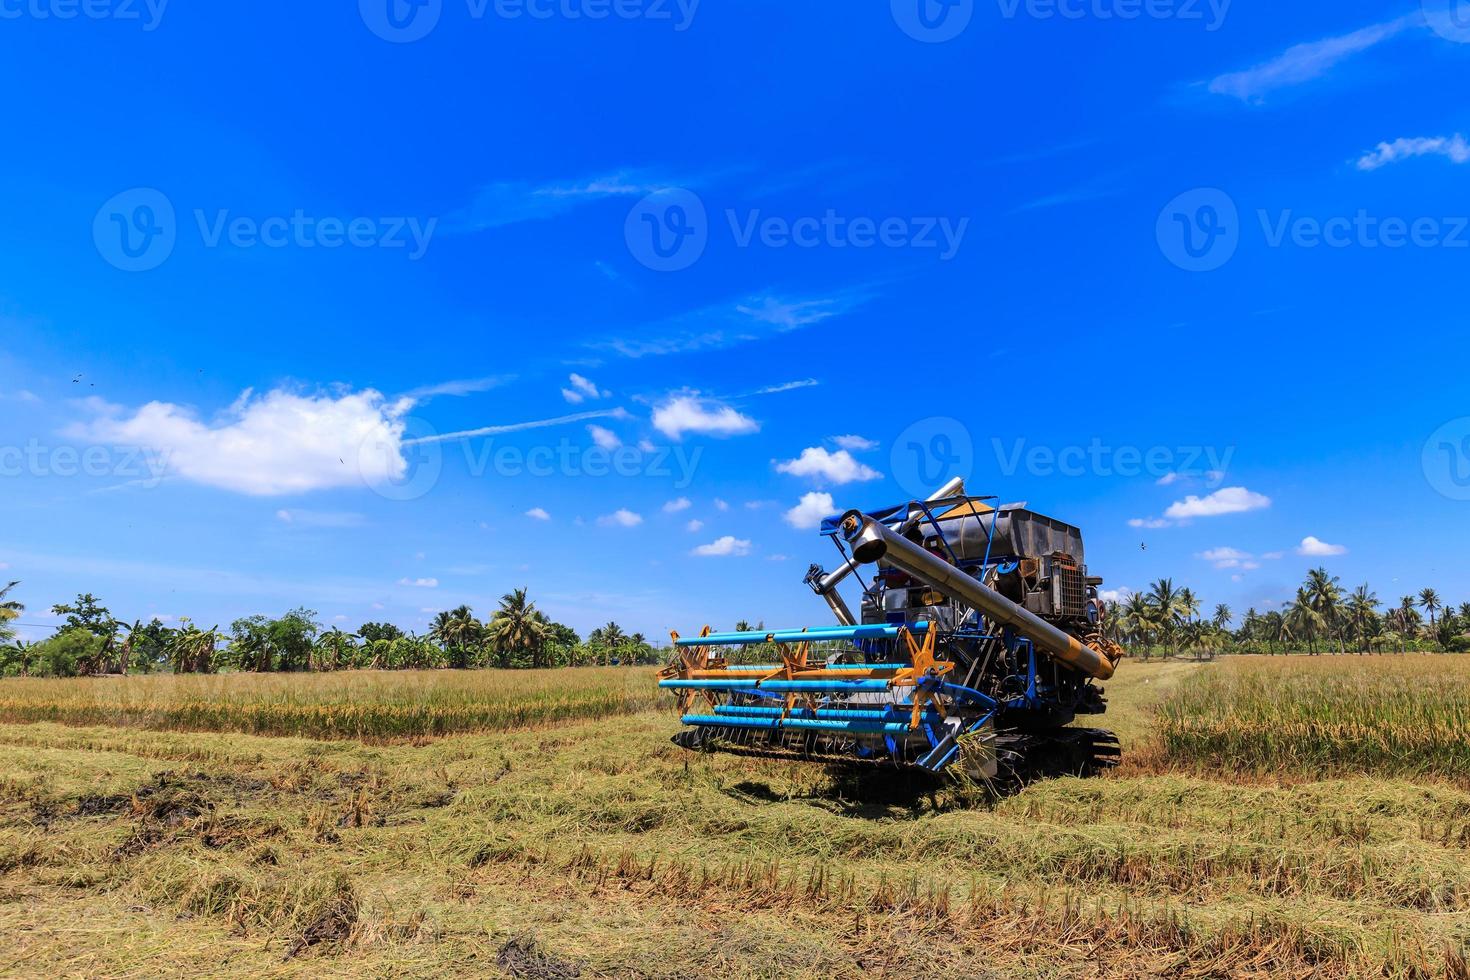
(979, 640)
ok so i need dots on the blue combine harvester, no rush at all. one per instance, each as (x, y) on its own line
(980, 638)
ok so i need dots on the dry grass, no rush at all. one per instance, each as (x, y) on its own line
(596, 846)
(349, 704)
(1325, 715)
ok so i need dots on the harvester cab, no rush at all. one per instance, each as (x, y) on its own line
(978, 640)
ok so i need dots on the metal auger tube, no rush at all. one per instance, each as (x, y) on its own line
(871, 542)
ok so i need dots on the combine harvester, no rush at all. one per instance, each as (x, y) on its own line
(979, 640)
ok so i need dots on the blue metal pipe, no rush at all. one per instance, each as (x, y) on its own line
(843, 714)
(871, 631)
(805, 724)
(834, 686)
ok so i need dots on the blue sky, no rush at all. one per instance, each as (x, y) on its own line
(1189, 276)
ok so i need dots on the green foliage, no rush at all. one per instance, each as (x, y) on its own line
(63, 655)
(87, 614)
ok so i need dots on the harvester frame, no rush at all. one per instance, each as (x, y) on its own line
(980, 642)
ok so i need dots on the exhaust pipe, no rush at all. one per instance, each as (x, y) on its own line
(871, 542)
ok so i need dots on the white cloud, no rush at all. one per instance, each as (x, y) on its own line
(689, 413)
(789, 315)
(622, 517)
(1315, 548)
(4, 566)
(1149, 522)
(721, 505)
(275, 444)
(726, 325)
(810, 511)
(1303, 62)
(674, 506)
(778, 557)
(420, 583)
(582, 389)
(1229, 558)
(1114, 597)
(604, 438)
(511, 202)
(20, 395)
(1455, 148)
(1274, 555)
(496, 430)
(1227, 500)
(319, 518)
(1168, 478)
(855, 443)
(538, 514)
(466, 386)
(788, 386)
(647, 446)
(723, 547)
(839, 467)
(694, 525)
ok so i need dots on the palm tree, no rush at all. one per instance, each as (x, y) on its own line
(1361, 608)
(9, 608)
(1222, 616)
(1429, 601)
(1167, 609)
(613, 639)
(456, 630)
(1325, 596)
(1304, 620)
(1188, 604)
(517, 628)
(1137, 619)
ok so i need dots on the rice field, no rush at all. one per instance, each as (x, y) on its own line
(593, 847)
(347, 704)
(1317, 716)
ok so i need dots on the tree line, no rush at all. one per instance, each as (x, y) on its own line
(91, 641)
(1323, 616)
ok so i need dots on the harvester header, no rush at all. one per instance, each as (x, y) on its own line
(979, 639)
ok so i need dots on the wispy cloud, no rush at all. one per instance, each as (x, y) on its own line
(467, 386)
(726, 325)
(622, 517)
(1305, 62)
(580, 389)
(1454, 148)
(498, 430)
(787, 386)
(511, 202)
(299, 517)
